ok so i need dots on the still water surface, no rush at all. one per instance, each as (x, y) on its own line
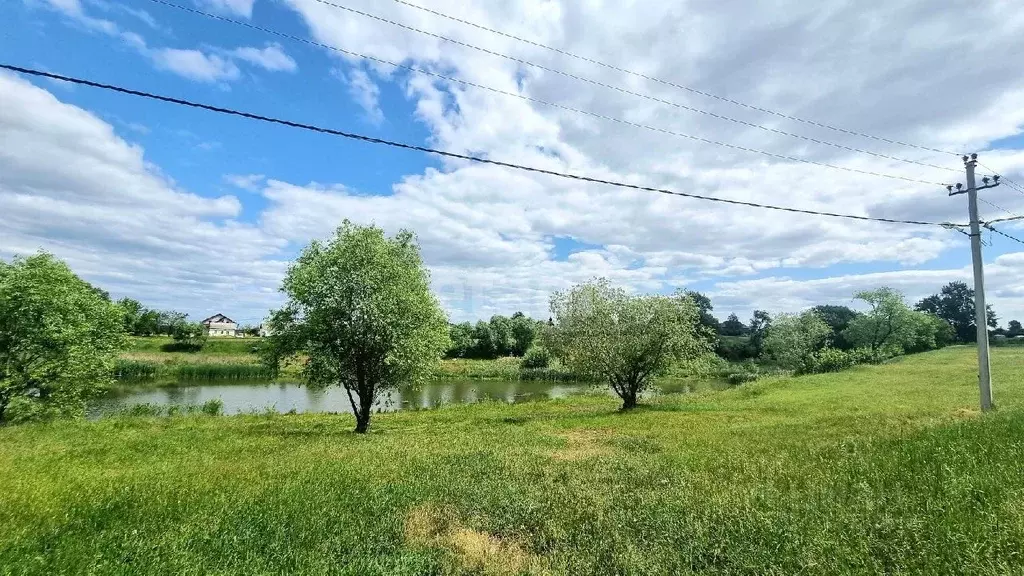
(288, 396)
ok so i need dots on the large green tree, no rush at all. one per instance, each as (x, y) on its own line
(705, 318)
(360, 307)
(793, 337)
(524, 332)
(733, 326)
(838, 319)
(760, 322)
(955, 304)
(1013, 329)
(889, 326)
(59, 339)
(605, 333)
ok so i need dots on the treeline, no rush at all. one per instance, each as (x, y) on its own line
(142, 321)
(953, 305)
(500, 336)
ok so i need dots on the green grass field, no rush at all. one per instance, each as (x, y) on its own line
(882, 469)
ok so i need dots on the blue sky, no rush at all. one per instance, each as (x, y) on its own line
(497, 241)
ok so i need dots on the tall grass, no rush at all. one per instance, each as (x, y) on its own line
(214, 407)
(135, 370)
(209, 372)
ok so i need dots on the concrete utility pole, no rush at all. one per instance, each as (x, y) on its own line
(980, 309)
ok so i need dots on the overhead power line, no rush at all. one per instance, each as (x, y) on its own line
(1014, 238)
(477, 159)
(674, 84)
(632, 92)
(445, 77)
(1013, 185)
(997, 220)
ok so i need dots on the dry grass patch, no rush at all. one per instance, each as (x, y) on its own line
(584, 444)
(477, 552)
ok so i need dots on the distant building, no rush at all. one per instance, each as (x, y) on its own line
(220, 325)
(264, 331)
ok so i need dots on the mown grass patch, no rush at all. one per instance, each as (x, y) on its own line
(879, 469)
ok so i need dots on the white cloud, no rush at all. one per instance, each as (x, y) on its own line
(365, 92)
(73, 187)
(250, 182)
(212, 65)
(490, 234)
(238, 7)
(271, 57)
(195, 65)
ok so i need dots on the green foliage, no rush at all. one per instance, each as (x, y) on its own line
(602, 332)
(827, 360)
(759, 324)
(501, 336)
(737, 378)
(133, 370)
(733, 327)
(524, 332)
(360, 307)
(214, 407)
(536, 357)
(791, 338)
(210, 372)
(188, 337)
(838, 319)
(705, 319)
(461, 336)
(955, 304)
(59, 340)
(735, 348)
(1014, 329)
(889, 327)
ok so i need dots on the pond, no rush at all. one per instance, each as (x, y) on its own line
(287, 396)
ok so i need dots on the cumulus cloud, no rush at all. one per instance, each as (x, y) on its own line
(271, 57)
(494, 237)
(215, 65)
(236, 7)
(366, 93)
(74, 187)
(195, 64)
(250, 182)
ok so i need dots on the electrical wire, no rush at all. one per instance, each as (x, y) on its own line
(631, 92)
(1013, 185)
(673, 84)
(997, 220)
(996, 206)
(1014, 238)
(545, 102)
(477, 159)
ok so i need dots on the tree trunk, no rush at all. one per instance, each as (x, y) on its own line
(362, 421)
(628, 397)
(365, 409)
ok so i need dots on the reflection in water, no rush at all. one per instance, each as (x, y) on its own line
(287, 396)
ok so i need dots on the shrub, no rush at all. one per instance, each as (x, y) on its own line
(189, 337)
(827, 360)
(213, 407)
(737, 378)
(536, 357)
